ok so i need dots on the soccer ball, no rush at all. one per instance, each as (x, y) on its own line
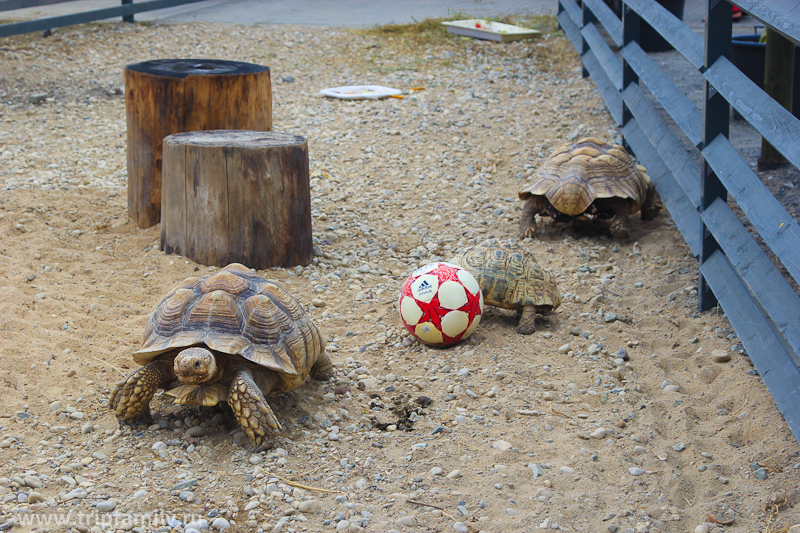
(441, 304)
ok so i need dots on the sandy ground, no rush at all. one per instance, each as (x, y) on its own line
(550, 431)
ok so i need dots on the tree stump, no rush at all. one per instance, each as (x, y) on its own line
(237, 196)
(169, 96)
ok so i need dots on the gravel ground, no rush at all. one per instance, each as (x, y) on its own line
(626, 411)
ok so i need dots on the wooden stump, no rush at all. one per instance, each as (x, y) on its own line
(237, 196)
(169, 96)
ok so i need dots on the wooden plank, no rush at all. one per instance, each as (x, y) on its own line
(206, 207)
(27, 26)
(10, 5)
(674, 155)
(772, 121)
(763, 279)
(778, 229)
(784, 17)
(570, 28)
(680, 108)
(774, 360)
(678, 34)
(573, 10)
(680, 208)
(604, 86)
(611, 65)
(173, 198)
(607, 18)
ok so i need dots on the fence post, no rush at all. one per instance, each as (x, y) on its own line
(127, 18)
(716, 112)
(631, 23)
(587, 18)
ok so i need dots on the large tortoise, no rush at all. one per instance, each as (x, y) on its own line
(589, 177)
(231, 336)
(511, 278)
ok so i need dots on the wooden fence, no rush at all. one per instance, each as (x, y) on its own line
(734, 271)
(126, 10)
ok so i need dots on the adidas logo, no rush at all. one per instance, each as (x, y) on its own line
(424, 284)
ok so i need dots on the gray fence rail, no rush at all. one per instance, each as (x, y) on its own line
(734, 270)
(126, 11)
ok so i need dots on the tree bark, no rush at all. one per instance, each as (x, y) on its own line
(169, 96)
(237, 196)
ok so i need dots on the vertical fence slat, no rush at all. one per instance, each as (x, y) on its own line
(715, 122)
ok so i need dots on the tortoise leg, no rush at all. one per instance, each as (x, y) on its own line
(527, 322)
(131, 397)
(250, 407)
(323, 368)
(652, 204)
(527, 224)
(620, 224)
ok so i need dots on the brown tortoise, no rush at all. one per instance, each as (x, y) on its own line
(511, 278)
(589, 177)
(231, 336)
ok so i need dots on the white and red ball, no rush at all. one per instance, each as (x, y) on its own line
(441, 304)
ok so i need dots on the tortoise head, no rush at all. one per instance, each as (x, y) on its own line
(195, 365)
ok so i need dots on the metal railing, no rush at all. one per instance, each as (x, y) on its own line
(734, 271)
(126, 11)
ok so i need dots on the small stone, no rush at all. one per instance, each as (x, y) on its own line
(702, 528)
(106, 506)
(407, 521)
(200, 524)
(672, 388)
(501, 445)
(37, 98)
(310, 506)
(317, 302)
(461, 527)
(35, 497)
(196, 431)
(564, 348)
(220, 523)
(760, 474)
(679, 447)
(256, 459)
(636, 471)
(186, 496)
(720, 356)
(598, 433)
(436, 471)
(567, 470)
(455, 474)
(55, 406)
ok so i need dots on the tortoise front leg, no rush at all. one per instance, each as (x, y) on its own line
(527, 322)
(131, 397)
(532, 207)
(620, 224)
(250, 407)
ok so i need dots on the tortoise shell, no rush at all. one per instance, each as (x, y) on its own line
(509, 275)
(577, 174)
(236, 312)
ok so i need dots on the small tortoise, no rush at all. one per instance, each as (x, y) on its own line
(231, 336)
(511, 278)
(589, 177)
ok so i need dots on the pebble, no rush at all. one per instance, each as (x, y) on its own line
(455, 474)
(436, 471)
(564, 348)
(598, 433)
(461, 527)
(672, 388)
(196, 431)
(310, 506)
(106, 506)
(256, 460)
(35, 497)
(502, 445)
(720, 356)
(702, 528)
(679, 447)
(567, 470)
(55, 406)
(407, 521)
(636, 471)
(220, 523)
